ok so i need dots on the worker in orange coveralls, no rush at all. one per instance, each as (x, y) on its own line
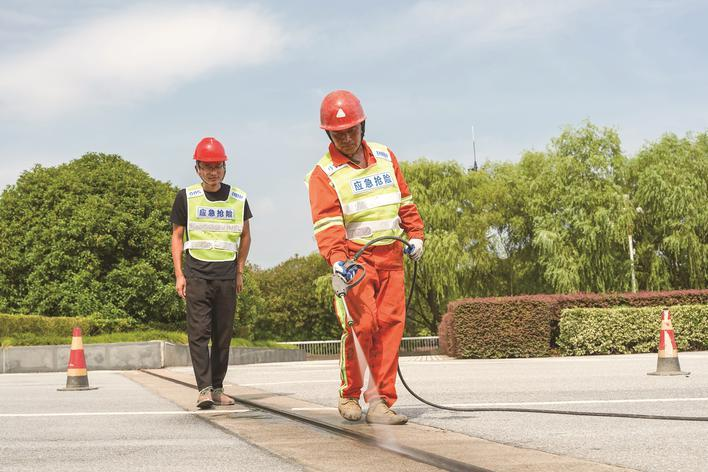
(358, 193)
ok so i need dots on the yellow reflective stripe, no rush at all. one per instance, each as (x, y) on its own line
(340, 308)
(76, 372)
(327, 220)
(322, 228)
(324, 223)
(407, 200)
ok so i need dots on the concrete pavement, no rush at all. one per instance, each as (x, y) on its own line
(136, 426)
(595, 383)
(128, 429)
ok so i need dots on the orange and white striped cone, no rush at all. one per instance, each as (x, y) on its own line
(76, 374)
(668, 362)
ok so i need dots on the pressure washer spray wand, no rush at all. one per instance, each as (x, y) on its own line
(341, 291)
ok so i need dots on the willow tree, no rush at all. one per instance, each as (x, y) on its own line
(669, 181)
(457, 259)
(580, 213)
(505, 201)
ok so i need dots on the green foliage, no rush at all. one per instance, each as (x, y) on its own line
(527, 325)
(579, 214)
(293, 310)
(176, 337)
(669, 182)
(250, 307)
(33, 339)
(61, 326)
(513, 328)
(445, 197)
(505, 201)
(559, 220)
(90, 237)
(626, 330)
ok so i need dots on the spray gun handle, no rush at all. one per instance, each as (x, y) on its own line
(351, 267)
(341, 287)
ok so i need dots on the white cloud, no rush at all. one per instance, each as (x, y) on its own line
(132, 55)
(482, 21)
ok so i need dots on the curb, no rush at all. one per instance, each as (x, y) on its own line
(129, 356)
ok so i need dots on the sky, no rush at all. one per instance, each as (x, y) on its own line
(148, 80)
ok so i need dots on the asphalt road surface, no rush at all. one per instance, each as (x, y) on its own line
(596, 383)
(124, 426)
(120, 426)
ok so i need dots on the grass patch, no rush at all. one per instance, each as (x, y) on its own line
(177, 337)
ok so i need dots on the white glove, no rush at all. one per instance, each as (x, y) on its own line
(415, 251)
(341, 271)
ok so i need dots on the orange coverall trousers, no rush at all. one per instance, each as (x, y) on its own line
(375, 310)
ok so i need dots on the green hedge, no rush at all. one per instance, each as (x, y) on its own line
(515, 328)
(32, 330)
(627, 330)
(12, 325)
(528, 325)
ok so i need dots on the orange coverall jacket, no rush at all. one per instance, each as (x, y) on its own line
(375, 308)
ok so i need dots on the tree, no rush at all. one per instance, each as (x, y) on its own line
(90, 237)
(669, 183)
(580, 216)
(293, 310)
(505, 201)
(251, 305)
(456, 250)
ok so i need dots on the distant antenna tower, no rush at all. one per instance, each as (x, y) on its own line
(474, 151)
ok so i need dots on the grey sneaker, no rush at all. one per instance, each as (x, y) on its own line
(380, 413)
(220, 398)
(349, 409)
(204, 402)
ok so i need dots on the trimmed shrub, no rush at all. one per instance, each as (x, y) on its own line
(445, 336)
(628, 330)
(12, 325)
(528, 325)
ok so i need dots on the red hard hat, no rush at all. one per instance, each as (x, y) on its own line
(340, 110)
(209, 150)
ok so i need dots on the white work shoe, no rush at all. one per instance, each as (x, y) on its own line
(349, 409)
(380, 413)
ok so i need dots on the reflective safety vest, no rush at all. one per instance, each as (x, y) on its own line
(214, 227)
(370, 198)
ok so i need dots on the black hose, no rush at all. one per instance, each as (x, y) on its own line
(515, 410)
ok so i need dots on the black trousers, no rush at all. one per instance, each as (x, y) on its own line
(211, 305)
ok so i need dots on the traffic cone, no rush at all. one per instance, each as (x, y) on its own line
(76, 375)
(668, 362)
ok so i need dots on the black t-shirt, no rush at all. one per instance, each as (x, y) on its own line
(194, 267)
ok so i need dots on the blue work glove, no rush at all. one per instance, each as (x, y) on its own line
(415, 250)
(340, 270)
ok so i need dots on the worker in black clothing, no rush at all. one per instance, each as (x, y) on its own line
(210, 222)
